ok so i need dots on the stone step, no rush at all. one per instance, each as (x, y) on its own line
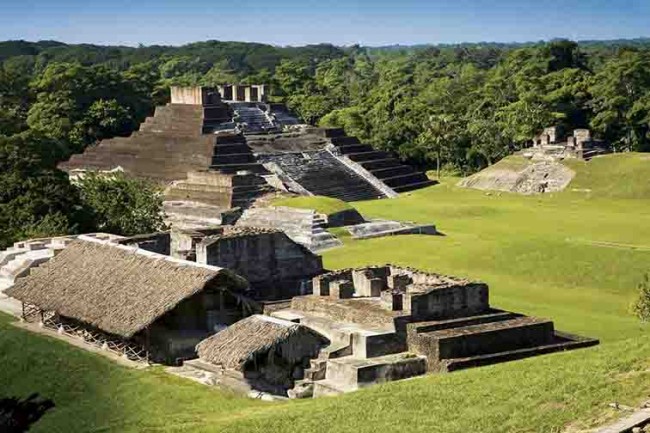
(355, 148)
(227, 149)
(10, 254)
(558, 345)
(233, 158)
(407, 179)
(373, 344)
(388, 172)
(229, 139)
(487, 338)
(489, 317)
(252, 167)
(380, 163)
(314, 374)
(325, 387)
(344, 141)
(350, 373)
(368, 156)
(416, 185)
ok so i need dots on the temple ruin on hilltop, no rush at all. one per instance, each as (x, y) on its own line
(224, 147)
(553, 144)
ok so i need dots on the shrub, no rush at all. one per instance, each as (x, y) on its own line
(641, 307)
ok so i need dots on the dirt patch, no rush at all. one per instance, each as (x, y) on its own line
(535, 178)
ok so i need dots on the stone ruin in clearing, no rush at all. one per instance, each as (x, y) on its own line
(218, 148)
(257, 312)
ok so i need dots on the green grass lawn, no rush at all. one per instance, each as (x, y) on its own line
(575, 257)
(324, 205)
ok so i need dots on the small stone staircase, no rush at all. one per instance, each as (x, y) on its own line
(356, 357)
(253, 117)
(232, 154)
(303, 226)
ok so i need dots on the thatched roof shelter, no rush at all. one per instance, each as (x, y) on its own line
(117, 289)
(241, 342)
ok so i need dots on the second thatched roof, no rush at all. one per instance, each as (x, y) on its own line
(120, 290)
(241, 342)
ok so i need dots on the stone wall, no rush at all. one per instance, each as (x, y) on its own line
(187, 95)
(470, 338)
(275, 266)
(155, 242)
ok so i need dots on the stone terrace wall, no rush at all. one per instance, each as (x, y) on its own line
(274, 265)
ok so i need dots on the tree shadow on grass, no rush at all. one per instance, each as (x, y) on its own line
(17, 416)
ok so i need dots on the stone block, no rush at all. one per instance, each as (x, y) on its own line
(367, 282)
(320, 286)
(341, 289)
(394, 301)
(399, 282)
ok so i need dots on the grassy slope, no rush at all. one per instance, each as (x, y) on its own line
(324, 205)
(550, 255)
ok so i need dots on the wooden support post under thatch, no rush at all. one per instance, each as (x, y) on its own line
(147, 344)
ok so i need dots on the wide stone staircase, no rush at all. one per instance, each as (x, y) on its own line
(303, 226)
(383, 165)
(321, 173)
(253, 117)
(232, 154)
(486, 338)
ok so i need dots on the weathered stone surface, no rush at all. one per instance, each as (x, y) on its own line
(341, 289)
(303, 226)
(275, 266)
(380, 228)
(536, 178)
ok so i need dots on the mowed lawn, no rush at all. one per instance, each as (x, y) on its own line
(575, 257)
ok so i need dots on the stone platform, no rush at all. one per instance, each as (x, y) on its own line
(388, 323)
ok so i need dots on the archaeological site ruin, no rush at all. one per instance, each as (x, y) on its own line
(219, 148)
(235, 293)
(252, 310)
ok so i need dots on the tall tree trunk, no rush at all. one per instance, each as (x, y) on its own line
(438, 165)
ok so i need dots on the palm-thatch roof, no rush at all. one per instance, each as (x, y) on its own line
(118, 289)
(239, 343)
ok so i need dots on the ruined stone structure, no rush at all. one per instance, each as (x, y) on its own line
(220, 148)
(303, 226)
(275, 266)
(551, 145)
(387, 323)
(339, 332)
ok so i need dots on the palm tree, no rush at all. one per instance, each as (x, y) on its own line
(436, 136)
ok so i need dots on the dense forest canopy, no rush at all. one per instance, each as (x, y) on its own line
(462, 106)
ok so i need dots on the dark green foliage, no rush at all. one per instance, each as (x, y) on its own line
(79, 105)
(35, 199)
(122, 205)
(56, 99)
